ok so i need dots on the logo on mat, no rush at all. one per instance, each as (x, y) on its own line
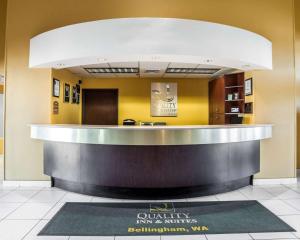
(161, 207)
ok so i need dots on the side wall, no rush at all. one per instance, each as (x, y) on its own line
(68, 112)
(27, 92)
(297, 64)
(2, 34)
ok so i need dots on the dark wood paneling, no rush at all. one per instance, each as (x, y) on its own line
(100, 106)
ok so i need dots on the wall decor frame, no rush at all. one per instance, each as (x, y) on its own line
(67, 90)
(77, 93)
(74, 93)
(55, 87)
(248, 87)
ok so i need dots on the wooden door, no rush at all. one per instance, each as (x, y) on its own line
(100, 106)
(217, 101)
(219, 96)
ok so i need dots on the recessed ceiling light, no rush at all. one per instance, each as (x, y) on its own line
(207, 71)
(111, 70)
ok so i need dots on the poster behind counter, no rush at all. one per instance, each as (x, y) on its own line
(163, 99)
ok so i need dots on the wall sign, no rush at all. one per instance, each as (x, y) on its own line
(55, 107)
(163, 99)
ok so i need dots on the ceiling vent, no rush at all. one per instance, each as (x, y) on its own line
(207, 71)
(152, 71)
(111, 70)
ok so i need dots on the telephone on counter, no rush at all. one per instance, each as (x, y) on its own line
(129, 122)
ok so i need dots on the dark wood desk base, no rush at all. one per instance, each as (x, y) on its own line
(155, 172)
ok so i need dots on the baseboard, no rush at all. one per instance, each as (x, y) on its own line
(8, 183)
(274, 181)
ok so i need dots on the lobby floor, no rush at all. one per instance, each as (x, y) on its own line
(24, 211)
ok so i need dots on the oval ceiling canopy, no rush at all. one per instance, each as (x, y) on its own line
(165, 40)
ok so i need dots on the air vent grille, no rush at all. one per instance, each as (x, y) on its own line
(207, 71)
(152, 71)
(111, 70)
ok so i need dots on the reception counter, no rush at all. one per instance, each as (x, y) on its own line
(151, 161)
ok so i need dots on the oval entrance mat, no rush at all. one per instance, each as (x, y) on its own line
(163, 218)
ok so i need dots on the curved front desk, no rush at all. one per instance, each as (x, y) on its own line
(151, 162)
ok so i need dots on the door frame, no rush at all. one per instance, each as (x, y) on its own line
(101, 89)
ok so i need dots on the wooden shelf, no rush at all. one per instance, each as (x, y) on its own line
(237, 100)
(219, 89)
(239, 86)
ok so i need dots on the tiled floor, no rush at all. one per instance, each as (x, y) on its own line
(24, 212)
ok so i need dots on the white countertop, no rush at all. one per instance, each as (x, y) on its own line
(150, 135)
(136, 127)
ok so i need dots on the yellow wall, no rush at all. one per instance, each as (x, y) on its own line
(2, 34)
(297, 64)
(250, 118)
(27, 92)
(135, 96)
(68, 112)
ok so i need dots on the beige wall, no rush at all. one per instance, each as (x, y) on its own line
(28, 94)
(297, 64)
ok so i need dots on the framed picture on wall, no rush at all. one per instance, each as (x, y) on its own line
(248, 87)
(56, 87)
(77, 93)
(74, 94)
(67, 93)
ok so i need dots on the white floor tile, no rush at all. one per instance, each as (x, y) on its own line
(137, 238)
(18, 196)
(15, 229)
(52, 189)
(31, 211)
(282, 192)
(53, 211)
(32, 235)
(279, 207)
(273, 235)
(33, 188)
(91, 238)
(75, 197)
(231, 196)
(293, 221)
(7, 208)
(4, 192)
(295, 203)
(203, 199)
(184, 237)
(47, 196)
(254, 193)
(297, 234)
(243, 236)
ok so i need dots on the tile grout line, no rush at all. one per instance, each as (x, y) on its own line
(21, 204)
(31, 229)
(56, 204)
(19, 219)
(284, 200)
